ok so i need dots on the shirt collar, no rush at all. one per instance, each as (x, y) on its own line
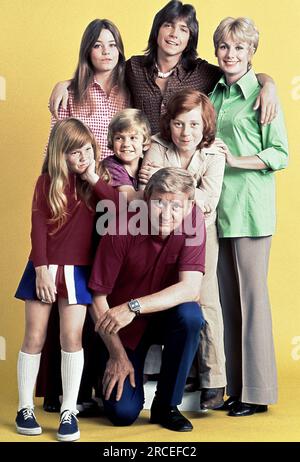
(180, 71)
(246, 84)
(97, 84)
(160, 140)
(196, 161)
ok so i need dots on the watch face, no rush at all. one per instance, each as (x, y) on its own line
(134, 306)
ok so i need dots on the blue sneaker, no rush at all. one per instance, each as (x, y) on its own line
(26, 422)
(68, 427)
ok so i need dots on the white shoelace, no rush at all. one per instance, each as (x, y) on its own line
(67, 417)
(28, 413)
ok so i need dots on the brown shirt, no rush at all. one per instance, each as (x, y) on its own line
(147, 96)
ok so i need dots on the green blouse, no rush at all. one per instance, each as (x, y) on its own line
(247, 202)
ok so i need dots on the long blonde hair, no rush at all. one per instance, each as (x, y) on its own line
(66, 136)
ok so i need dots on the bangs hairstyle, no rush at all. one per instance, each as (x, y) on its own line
(84, 73)
(171, 12)
(129, 119)
(185, 101)
(170, 180)
(66, 136)
(240, 29)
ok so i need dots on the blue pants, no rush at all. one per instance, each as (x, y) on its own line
(178, 330)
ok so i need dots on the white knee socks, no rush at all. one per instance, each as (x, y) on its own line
(27, 371)
(71, 372)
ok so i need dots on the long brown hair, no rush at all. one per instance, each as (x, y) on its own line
(66, 136)
(84, 72)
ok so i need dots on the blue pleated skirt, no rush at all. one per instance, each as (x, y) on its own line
(71, 283)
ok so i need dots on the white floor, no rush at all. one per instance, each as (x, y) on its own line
(190, 401)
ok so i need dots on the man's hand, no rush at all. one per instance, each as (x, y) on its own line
(267, 101)
(117, 369)
(59, 96)
(114, 319)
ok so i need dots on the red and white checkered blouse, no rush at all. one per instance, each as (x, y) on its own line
(105, 107)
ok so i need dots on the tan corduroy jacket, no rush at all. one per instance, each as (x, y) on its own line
(206, 166)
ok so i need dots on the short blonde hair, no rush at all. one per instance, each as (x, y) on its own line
(171, 180)
(242, 29)
(129, 119)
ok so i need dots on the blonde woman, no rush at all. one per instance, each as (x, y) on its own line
(246, 220)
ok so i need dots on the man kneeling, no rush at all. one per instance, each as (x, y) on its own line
(146, 289)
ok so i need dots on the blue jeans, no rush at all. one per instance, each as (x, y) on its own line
(178, 330)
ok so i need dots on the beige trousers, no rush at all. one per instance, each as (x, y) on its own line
(210, 360)
(250, 358)
(209, 364)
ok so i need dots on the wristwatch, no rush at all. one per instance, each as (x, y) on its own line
(134, 306)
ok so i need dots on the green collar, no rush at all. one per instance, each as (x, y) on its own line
(246, 84)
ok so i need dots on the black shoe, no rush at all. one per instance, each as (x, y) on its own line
(240, 409)
(211, 398)
(51, 404)
(227, 406)
(169, 417)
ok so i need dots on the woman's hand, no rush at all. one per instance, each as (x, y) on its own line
(59, 96)
(267, 101)
(223, 149)
(45, 286)
(147, 171)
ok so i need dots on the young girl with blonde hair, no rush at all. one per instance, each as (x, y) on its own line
(63, 213)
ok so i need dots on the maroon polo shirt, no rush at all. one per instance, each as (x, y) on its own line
(128, 267)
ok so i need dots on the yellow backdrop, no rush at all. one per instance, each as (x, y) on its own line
(39, 42)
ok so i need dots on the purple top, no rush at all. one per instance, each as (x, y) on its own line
(119, 174)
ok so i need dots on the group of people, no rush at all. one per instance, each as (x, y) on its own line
(190, 149)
